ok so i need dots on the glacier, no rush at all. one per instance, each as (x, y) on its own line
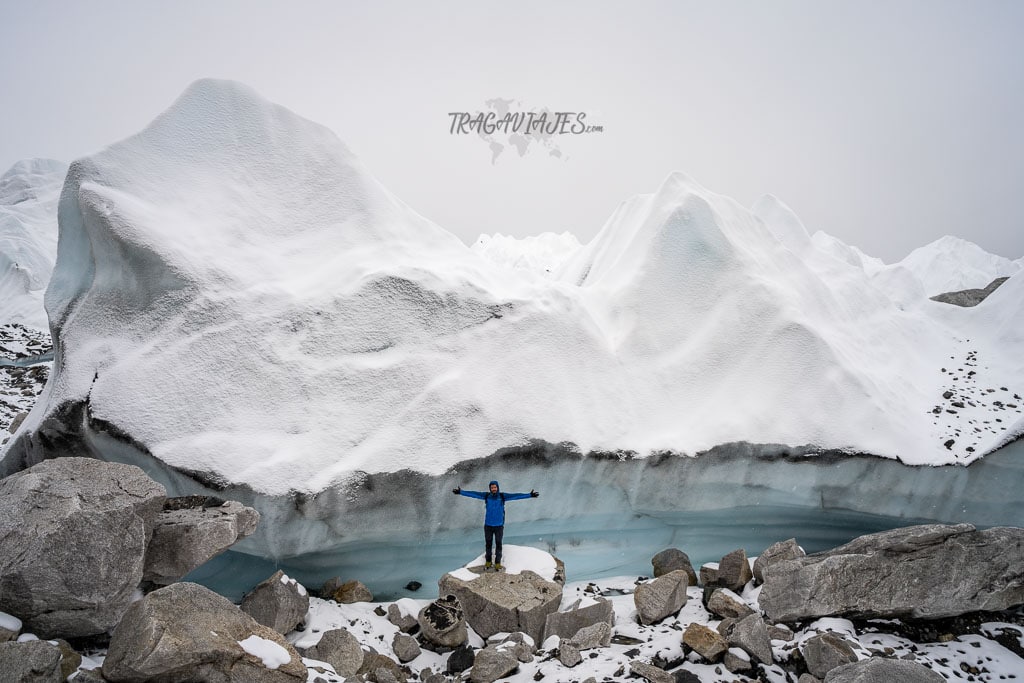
(29, 192)
(240, 308)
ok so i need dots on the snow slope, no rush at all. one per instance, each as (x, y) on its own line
(237, 297)
(950, 264)
(29, 191)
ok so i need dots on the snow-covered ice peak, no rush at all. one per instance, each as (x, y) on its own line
(951, 264)
(782, 222)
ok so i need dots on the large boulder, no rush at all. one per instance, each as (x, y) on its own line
(497, 602)
(192, 530)
(73, 536)
(443, 622)
(661, 597)
(279, 602)
(879, 670)
(825, 652)
(36, 661)
(734, 571)
(776, 552)
(671, 559)
(926, 571)
(580, 614)
(340, 649)
(706, 642)
(492, 663)
(186, 632)
(751, 635)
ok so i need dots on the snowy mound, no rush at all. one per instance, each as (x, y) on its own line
(951, 264)
(236, 297)
(28, 238)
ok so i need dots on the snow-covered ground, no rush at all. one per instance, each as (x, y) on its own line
(977, 648)
(20, 383)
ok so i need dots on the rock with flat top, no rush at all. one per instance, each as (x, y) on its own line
(923, 572)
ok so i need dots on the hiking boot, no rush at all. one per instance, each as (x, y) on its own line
(488, 566)
(498, 567)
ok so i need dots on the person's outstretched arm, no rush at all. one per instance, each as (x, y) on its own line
(521, 496)
(470, 494)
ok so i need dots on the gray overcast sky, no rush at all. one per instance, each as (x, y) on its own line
(887, 124)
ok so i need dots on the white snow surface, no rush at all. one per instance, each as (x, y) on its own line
(29, 191)
(951, 264)
(515, 559)
(541, 254)
(10, 622)
(272, 654)
(297, 325)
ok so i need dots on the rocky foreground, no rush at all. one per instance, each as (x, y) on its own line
(91, 554)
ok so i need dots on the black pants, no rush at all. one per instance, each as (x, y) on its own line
(493, 533)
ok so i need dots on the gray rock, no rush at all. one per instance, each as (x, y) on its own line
(346, 592)
(497, 602)
(69, 659)
(807, 678)
(73, 535)
(724, 603)
(751, 635)
(566, 624)
(661, 597)
(650, 672)
(776, 552)
(492, 663)
(927, 571)
(736, 660)
(591, 637)
(671, 559)
(569, 654)
(406, 623)
(435, 678)
(187, 632)
(460, 659)
(706, 642)
(279, 602)
(709, 575)
(443, 622)
(36, 661)
(878, 670)
(340, 649)
(381, 669)
(187, 537)
(734, 571)
(826, 651)
(405, 647)
(725, 626)
(780, 632)
(964, 297)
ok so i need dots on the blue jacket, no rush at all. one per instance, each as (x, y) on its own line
(494, 503)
